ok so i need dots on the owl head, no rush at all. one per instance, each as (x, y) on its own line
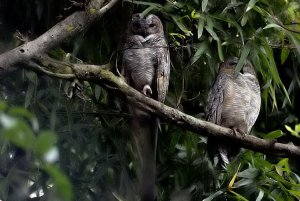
(229, 65)
(248, 68)
(145, 25)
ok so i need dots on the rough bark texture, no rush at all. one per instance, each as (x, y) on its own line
(69, 27)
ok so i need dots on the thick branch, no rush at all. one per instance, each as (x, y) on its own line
(69, 27)
(102, 73)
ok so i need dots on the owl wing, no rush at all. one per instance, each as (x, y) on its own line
(163, 72)
(215, 100)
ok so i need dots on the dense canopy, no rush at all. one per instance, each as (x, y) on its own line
(65, 126)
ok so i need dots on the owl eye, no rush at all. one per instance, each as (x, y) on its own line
(151, 25)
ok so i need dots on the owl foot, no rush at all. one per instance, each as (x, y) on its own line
(237, 131)
(147, 91)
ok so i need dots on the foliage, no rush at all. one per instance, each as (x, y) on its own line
(96, 155)
(33, 162)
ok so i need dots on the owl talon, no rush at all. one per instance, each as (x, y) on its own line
(237, 132)
(147, 91)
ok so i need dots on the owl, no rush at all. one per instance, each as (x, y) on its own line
(146, 57)
(146, 62)
(233, 102)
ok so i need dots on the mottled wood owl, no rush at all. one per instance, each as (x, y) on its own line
(146, 62)
(233, 102)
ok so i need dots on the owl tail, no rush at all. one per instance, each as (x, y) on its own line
(218, 152)
(223, 156)
(145, 131)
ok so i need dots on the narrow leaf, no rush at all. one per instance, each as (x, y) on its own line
(284, 54)
(97, 92)
(260, 195)
(204, 4)
(230, 185)
(250, 5)
(29, 94)
(211, 197)
(290, 129)
(180, 25)
(61, 182)
(201, 49)
(244, 20)
(200, 27)
(272, 135)
(44, 142)
(239, 196)
(272, 25)
(244, 55)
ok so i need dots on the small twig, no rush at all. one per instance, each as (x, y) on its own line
(191, 99)
(285, 27)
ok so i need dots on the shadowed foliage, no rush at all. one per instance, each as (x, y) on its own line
(57, 148)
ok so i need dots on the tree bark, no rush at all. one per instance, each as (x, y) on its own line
(103, 75)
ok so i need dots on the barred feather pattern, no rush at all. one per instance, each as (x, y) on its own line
(146, 62)
(234, 102)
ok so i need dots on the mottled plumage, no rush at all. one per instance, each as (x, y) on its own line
(233, 102)
(146, 56)
(146, 62)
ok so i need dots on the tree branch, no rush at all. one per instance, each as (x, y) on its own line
(69, 27)
(97, 74)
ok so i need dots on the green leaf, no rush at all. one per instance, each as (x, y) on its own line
(238, 196)
(291, 131)
(211, 197)
(195, 14)
(152, 7)
(251, 4)
(31, 76)
(249, 173)
(220, 50)
(143, 3)
(201, 49)
(180, 25)
(297, 128)
(200, 27)
(243, 182)
(244, 55)
(3, 106)
(118, 197)
(284, 54)
(45, 141)
(29, 94)
(97, 92)
(61, 182)
(204, 4)
(244, 20)
(295, 193)
(20, 134)
(215, 37)
(272, 135)
(260, 195)
(20, 112)
(230, 185)
(232, 22)
(272, 25)
(295, 40)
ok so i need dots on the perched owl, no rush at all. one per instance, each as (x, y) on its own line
(146, 57)
(233, 102)
(146, 62)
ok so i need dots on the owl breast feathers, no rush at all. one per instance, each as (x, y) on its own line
(233, 102)
(146, 57)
